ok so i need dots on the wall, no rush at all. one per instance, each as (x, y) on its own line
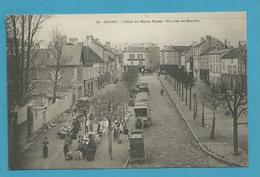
(21, 115)
(135, 61)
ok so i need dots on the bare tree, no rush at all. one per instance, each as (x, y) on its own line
(108, 105)
(56, 48)
(202, 95)
(191, 83)
(21, 31)
(214, 100)
(235, 96)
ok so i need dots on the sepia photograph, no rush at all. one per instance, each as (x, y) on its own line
(137, 90)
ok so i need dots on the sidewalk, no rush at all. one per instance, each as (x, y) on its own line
(221, 148)
(32, 157)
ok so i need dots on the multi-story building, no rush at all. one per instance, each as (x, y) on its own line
(214, 64)
(143, 55)
(197, 49)
(171, 55)
(108, 56)
(234, 66)
(134, 56)
(186, 59)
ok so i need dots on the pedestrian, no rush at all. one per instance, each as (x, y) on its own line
(65, 149)
(86, 125)
(115, 133)
(162, 92)
(45, 143)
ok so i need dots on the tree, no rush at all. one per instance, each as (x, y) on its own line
(191, 83)
(235, 97)
(130, 76)
(203, 92)
(109, 105)
(214, 99)
(56, 48)
(21, 31)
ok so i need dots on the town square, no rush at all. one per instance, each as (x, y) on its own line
(127, 91)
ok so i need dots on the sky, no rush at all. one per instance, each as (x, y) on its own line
(160, 28)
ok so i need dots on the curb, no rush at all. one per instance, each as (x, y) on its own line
(126, 163)
(194, 135)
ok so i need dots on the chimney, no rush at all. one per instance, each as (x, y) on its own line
(108, 45)
(208, 37)
(225, 42)
(202, 39)
(194, 43)
(239, 44)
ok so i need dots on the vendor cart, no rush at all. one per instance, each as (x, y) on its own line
(136, 146)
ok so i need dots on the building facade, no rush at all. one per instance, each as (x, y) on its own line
(203, 45)
(234, 67)
(171, 55)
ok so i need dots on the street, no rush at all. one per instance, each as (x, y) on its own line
(168, 143)
(32, 158)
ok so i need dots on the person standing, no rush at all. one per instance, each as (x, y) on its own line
(162, 92)
(45, 143)
(65, 149)
(86, 125)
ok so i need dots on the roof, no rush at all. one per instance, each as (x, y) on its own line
(46, 88)
(200, 44)
(234, 53)
(206, 52)
(72, 53)
(177, 48)
(90, 57)
(204, 41)
(40, 57)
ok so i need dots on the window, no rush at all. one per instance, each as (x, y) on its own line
(234, 69)
(223, 65)
(163, 61)
(132, 56)
(141, 63)
(211, 68)
(140, 56)
(229, 69)
(132, 62)
(80, 74)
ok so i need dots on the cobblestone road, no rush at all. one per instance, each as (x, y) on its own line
(168, 143)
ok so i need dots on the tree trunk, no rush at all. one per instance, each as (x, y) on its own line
(190, 99)
(194, 108)
(186, 95)
(202, 118)
(28, 56)
(177, 86)
(22, 54)
(182, 90)
(179, 89)
(109, 140)
(212, 133)
(235, 135)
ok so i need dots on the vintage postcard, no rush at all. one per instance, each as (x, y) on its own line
(146, 90)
